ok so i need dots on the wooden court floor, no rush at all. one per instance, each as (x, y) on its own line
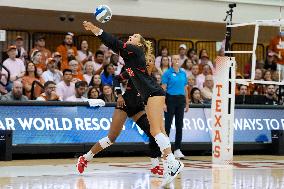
(253, 172)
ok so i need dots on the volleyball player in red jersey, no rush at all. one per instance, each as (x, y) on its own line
(129, 104)
(134, 53)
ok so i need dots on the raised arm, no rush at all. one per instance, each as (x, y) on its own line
(112, 42)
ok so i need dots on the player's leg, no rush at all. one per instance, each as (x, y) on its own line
(118, 119)
(141, 120)
(155, 112)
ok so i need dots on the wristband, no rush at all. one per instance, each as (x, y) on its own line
(100, 33)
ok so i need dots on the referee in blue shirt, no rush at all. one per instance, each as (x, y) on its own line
(174, 82)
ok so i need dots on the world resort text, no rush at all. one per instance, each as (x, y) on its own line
(87, 124)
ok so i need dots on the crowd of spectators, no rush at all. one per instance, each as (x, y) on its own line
(72, 74)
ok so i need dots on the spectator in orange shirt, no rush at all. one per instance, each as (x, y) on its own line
(31, 76)
(63, 49)
(58, 59)
(36, 58)
(71, 55)
(40, 46)
(77, 75)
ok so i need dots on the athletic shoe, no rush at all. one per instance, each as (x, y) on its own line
(178, 154)
(157, 171)
(171, 169)
(81, 164)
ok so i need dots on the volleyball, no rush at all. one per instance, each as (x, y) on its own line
(103, 13)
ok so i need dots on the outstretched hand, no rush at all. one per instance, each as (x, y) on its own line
(89, 26)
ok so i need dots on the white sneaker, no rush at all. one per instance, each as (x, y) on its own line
(171, 169)
(178, 154)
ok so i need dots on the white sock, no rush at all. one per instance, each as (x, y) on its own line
(163, 141)
(105, 142)
(89, 156)
(170, 157)
(154, 162)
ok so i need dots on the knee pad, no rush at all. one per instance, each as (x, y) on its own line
(105, 142)
(163, 141)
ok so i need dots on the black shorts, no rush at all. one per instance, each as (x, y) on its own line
(156, 93)
(134, 104)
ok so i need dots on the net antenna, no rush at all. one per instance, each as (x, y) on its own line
(228, 20)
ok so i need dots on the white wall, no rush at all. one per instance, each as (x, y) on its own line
(197, 10)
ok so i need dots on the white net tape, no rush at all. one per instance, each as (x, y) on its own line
(277, 23)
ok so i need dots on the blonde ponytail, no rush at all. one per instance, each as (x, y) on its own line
(147, 46)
